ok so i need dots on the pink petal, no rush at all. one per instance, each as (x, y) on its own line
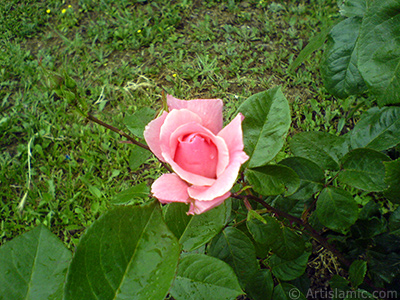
(199, 207)
(233, 136)
(170, 188)
(197, 154)
(152, 135)
(169, 153)
(223, 184)
(209, 110)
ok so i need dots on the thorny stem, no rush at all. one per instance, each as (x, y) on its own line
(121, 133)
(311, 231)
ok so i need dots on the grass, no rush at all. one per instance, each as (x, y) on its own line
(122, 55)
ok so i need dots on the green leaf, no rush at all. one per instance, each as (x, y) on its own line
(364, 169)
(138, 121)
(357, 272)
(266, 123)
(128, 253)
(310, 174)
(394, 219)
(261, 286)
(288, 269)
(379, 50)
(315, 43)
(354, 8)
(236, 249)
(261, 229)
(322, 148)
(138, 157)
(273, 180)
(286, 291)
(289, 245)
(392, 179)
(203, 277)
(33, 266)
(283, 241)
(194, 231)
(378, 129)
(339, 64)
(140, 191)
(336, 209)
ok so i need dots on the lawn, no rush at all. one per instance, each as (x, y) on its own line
(61, 170)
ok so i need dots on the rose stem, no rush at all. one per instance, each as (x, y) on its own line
(300, 222)
(121, 133)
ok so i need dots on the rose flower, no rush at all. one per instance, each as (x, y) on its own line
(205, 157)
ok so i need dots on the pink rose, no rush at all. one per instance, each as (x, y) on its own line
(205, 157)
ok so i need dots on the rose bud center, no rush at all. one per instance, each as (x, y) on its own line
(197, 154)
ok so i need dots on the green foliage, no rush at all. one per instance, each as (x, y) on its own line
(379, 54)
(357, 271)
(33, 266)
(266, 123)
(339, 68)
(336, 209)
(378, 129)
(140, 267)
(287, 270)
(236, 249)
(203, 277)
(363, 168)
(273, 180)
(320, 147)
(194, 231)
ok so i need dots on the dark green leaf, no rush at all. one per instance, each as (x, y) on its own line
(357, 272)
(288, 269)
(386, 266)
(292, 206)
(289, 245)
(263, 229)
(33, 266)
(322, 148)
(339, 65)
(236, 249)
(283, 241)
(129, 253)
(310, 174)
(379, 50)
(315, 43)
(194, 231)
(353, 8)
(392, 179)
(140, 191)
(138, 157)
(261, 286)
(394, 219)
(138, 121)
(202, 277)
(378, 129)
(266, 123)
(364, 169)
(273, 180)
(336, 209)
(286, 291)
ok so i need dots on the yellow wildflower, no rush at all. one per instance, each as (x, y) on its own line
(48, 11)
(139, 31)
(63, 11)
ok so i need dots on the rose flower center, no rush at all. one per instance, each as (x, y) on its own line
(197, 154)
